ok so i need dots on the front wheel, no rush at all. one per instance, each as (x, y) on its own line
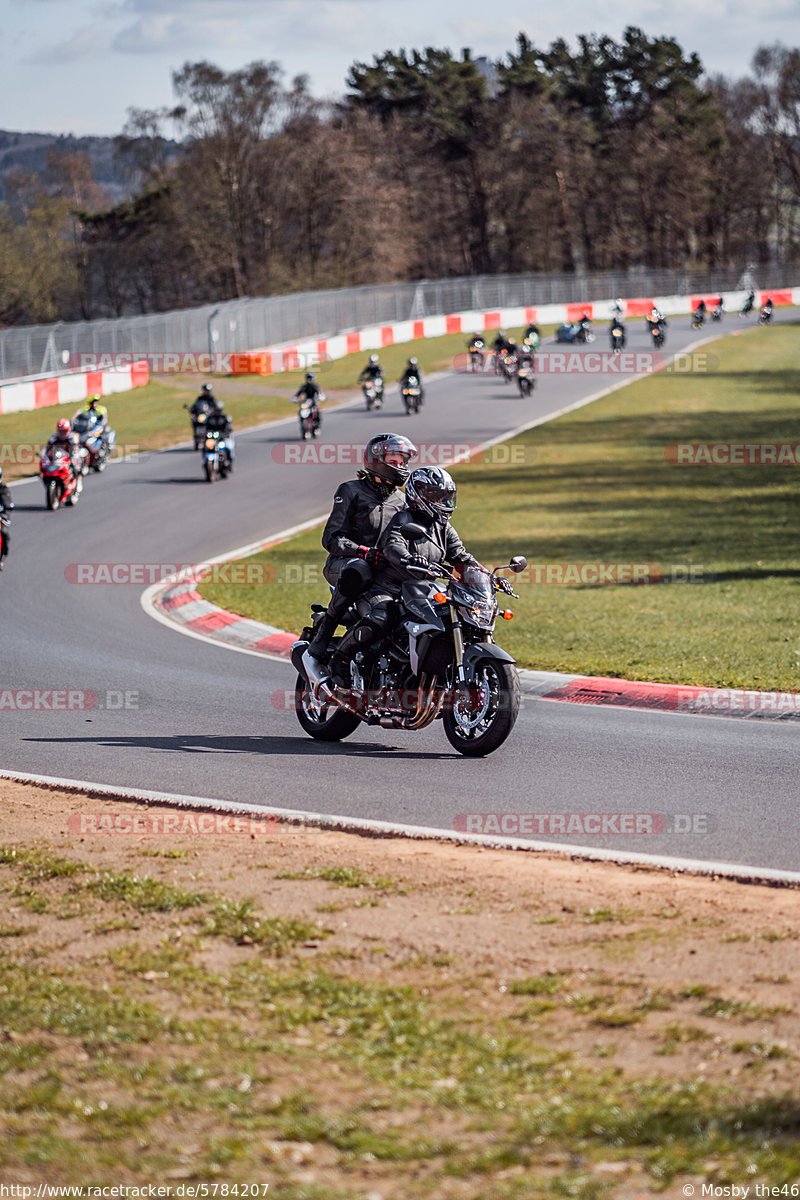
(479, 722)
(209, 467)
(324, 722)
(52, 495)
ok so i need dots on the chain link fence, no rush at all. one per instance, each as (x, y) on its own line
(240, 325)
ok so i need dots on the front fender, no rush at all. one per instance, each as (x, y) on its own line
(474, 653)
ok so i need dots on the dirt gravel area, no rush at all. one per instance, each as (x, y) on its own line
(639, 978)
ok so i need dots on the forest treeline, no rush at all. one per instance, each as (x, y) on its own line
(607, 155)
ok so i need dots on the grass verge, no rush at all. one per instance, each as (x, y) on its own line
(596, 487)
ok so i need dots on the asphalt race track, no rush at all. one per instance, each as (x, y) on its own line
(183, 716)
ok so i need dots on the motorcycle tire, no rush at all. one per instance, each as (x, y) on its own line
(209, 468)
(52, 495)
(324, 723)
(72, 500)
(482, 733)
(99, 466)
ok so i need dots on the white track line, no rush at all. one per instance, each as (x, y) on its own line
(359, 825)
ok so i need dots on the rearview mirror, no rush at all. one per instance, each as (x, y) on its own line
(518, 563)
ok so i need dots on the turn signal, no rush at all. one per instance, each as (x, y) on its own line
(440, 597)
(507, 614)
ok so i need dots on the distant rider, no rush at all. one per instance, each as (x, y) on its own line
(6, 505)
(219, 422)
(65, 439)
(372, 372)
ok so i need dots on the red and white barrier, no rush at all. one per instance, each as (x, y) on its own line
(291, 355)
(70, 387)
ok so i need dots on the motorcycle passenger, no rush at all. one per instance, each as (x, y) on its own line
(65, 439)
(362, 510)
(219, 422)
(6, 505)
(430, 501)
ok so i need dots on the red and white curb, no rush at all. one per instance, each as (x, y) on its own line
(180, 604)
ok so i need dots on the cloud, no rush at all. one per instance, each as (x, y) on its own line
(84, 44)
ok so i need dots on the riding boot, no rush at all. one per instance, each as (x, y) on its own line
(355, 639)
(326, 627)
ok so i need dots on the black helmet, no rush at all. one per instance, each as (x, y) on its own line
(431, 492)
(309, 376)
(379, 452)
(412, 362)
(206, 387)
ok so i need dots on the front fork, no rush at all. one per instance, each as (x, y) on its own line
(458, 643)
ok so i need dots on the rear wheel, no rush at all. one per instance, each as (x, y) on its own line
(482, 721)
(324, 722)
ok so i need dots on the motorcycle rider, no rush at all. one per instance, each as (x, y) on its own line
(6, 505)
(618, 341)
(362, 510)
(747, 307)
(532, 335)
(476, 346)
(219, 422)
(65, 439)
(203, 401)
(430, 502)
(768, 307)
(312, 392)
(100, 414)
(700, 312)
(372, 372)
(412, 371)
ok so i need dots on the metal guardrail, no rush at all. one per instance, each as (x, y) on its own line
(238, 325)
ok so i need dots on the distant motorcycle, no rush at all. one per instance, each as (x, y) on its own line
(717, 312)
(310, 417)
(698, 318)
(525, 378)
(96, 439)
(617, 338)
(61, 486)
(658, 332)
(4, 524)
(575, 331)
(216, 456)
(199, 419)
(748, 305)
(412, 395)
(476, 353)
(373, 393)
(765, 316)
(508, 366)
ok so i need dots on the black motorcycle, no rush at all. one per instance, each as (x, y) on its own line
(658, 333)
(199, 417)
(748, 305)
(617, 338)
(310, 417)
(412, 395)
(373, 393)
(438, 661)
(765, 316)
(217, 463)
(476, 352)
(698, 318)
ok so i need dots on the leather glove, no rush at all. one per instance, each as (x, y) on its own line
(371, 555)
(417, 560)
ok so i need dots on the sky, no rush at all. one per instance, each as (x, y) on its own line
(77, 66)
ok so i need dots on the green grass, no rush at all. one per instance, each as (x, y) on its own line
(595, 486)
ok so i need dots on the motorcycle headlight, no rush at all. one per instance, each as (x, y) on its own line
(481, 614)
(210, 443)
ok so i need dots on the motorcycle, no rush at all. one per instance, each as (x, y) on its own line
(476, 352)
(310, 417)
(4, 525)
(617, 339)
(658, 333)
(508, 366)
(765, 316)
(199, 419)
(97, 440)
(747, 307)
(717, 312)
(412, 395)
(698, 319)
(525, 379)
(373, 393)
(575, 331)
(216, 456)
(439, 661)
(61, 486)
